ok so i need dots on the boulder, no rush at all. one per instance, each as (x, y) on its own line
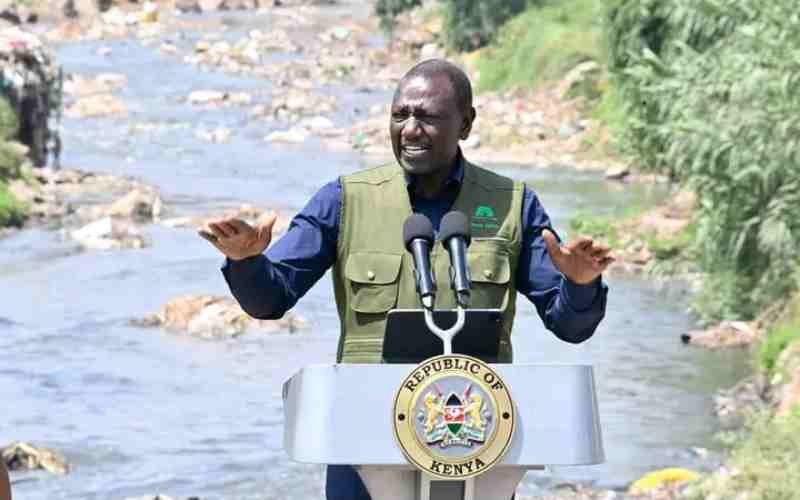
(207, 96)
(20, 456)
(239, 4)
(725, 334)
(188, 6)
(617, 172)
(140, 204)
(732, 406)
(108, 233)
(210, 5)
(97, 105)
(214, 317)
(293, 135)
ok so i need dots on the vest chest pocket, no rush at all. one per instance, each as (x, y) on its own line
(491, 276)
(373, 279)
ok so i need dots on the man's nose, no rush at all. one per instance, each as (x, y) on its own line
(411, 129)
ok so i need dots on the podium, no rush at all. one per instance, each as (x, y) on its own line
(342, 414)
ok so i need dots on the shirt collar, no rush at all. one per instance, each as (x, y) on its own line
(454, 180)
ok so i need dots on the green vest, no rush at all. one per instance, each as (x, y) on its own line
(374, 273)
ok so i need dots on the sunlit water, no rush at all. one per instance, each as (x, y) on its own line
(140, 411)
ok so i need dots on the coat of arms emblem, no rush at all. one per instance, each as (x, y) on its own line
(453, 417)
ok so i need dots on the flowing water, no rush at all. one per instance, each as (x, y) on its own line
(140, 411)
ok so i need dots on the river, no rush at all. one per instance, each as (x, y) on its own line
(139, 411)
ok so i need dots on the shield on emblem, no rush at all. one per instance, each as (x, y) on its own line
(454, 414)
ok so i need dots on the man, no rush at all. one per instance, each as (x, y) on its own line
(354, 224)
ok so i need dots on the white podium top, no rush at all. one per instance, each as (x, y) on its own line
(342, 414)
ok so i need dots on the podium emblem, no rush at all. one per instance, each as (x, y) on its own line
(453, 417)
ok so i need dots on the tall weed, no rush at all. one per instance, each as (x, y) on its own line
(715, 106)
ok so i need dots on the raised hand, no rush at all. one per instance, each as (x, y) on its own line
(237, 239)
(581, 260)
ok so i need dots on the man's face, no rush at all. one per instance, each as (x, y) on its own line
(426, 124)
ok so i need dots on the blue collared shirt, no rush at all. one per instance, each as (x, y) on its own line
(268, 285)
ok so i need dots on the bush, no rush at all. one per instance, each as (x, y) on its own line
(471, 24)
(767, 463)
(779, 337)
(387, 10)
(9, 124)
(12, 211)
(542, 43)
(595, 226)
(734, 140)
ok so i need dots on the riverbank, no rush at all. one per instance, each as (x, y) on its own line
(731, 241)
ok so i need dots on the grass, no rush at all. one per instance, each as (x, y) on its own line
(767, 455)
(673, 247)
(767, 462)
(597, 226)
(541, 44)
(779, 337)
(12, 211)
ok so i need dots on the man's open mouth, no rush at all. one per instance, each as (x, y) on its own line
(415, 149)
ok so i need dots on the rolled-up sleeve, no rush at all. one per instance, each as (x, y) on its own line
(569, 310)
(268, 285)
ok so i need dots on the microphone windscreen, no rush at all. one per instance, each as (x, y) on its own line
(417, 226)
(454, 223)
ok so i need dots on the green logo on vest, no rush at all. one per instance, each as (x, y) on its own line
(484, 220)
(484, 212)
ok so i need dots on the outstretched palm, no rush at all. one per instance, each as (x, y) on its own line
(581, 260)
(237, 239)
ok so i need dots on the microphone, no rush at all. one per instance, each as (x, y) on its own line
(455, 235)
(418, 239)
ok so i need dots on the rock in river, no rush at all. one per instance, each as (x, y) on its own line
(214, 317)
(109, 233)
(25, 456)
(725, 334)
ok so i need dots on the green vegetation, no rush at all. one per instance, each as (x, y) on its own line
(671, 89)
(387, 10)
(767, 461)
(12, 211)
(9, 124)
(600, 227)
(543, 43)
(733, 140)
(471, 24)
(766, 453)
(468, 24)
(779, 337)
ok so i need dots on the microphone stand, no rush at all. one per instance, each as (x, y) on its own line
(446, 335)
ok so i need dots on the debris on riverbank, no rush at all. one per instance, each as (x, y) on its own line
(215, 317)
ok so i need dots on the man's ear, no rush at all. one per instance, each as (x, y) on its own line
(466, 128)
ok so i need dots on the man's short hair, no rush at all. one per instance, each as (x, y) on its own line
(432, 67)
